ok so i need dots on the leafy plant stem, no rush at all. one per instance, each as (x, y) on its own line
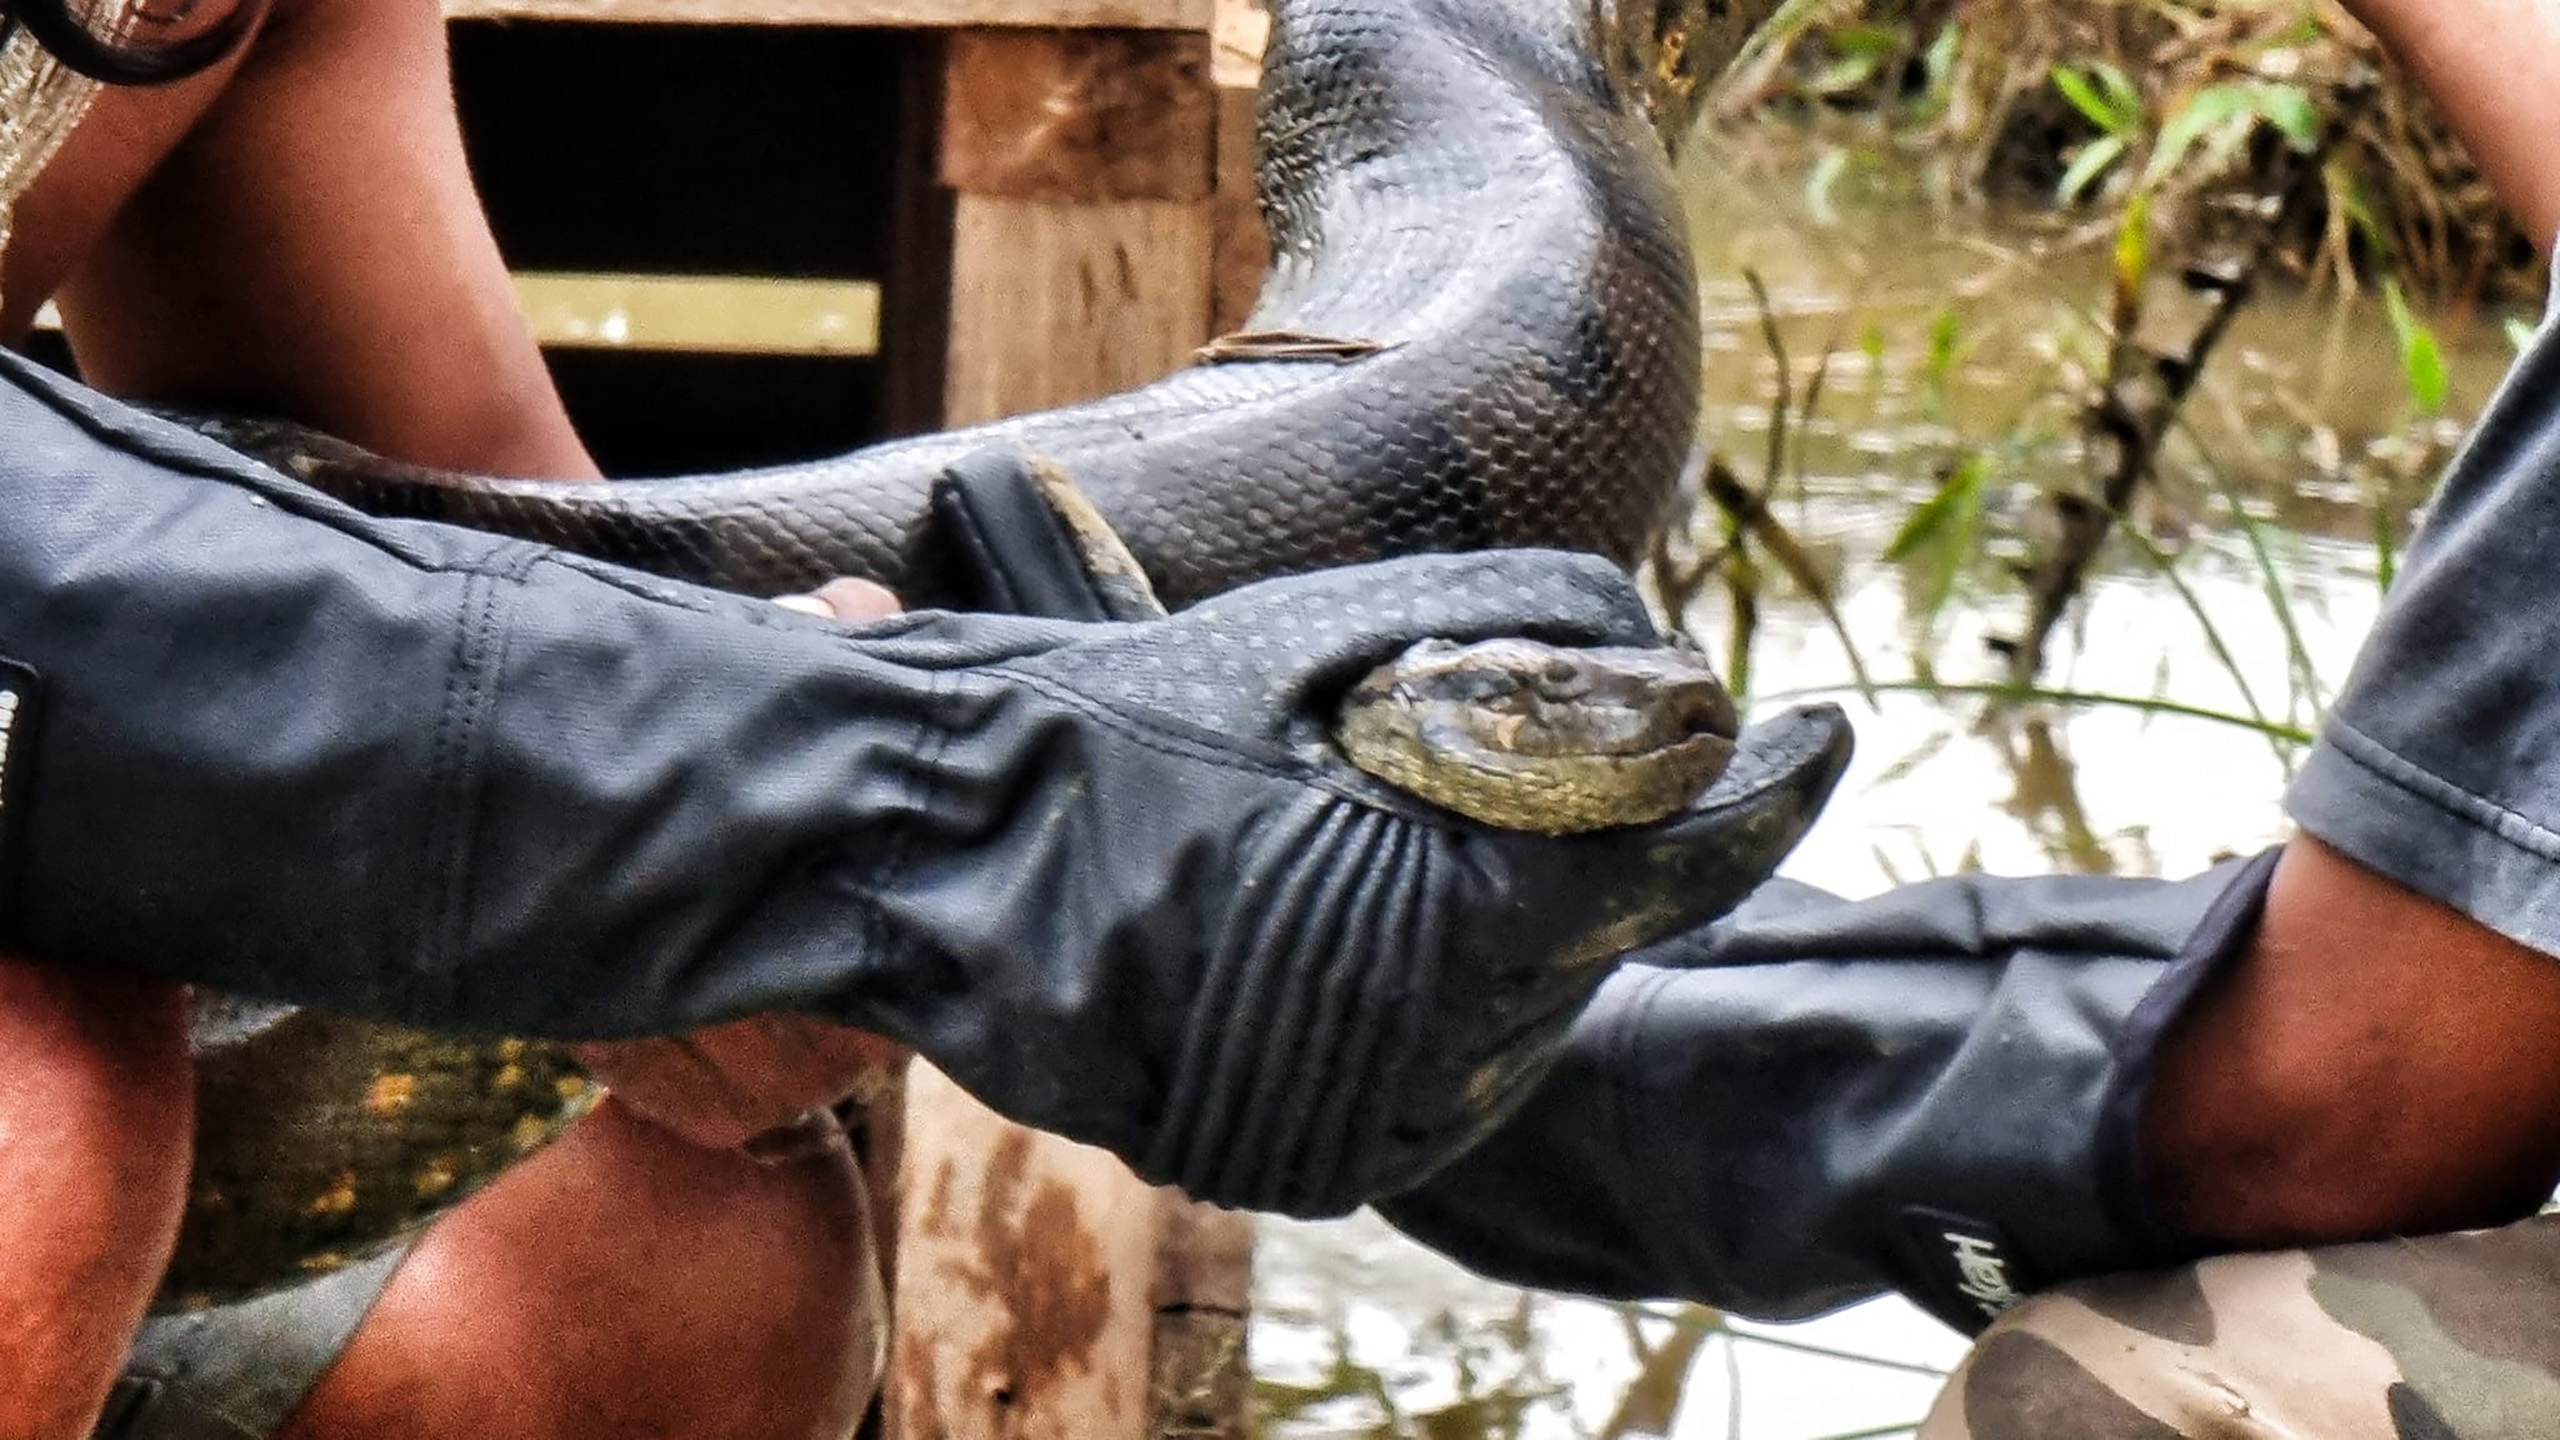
(2079, 699)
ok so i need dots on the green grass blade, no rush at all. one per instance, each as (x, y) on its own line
(2094, 160)
(2067, 699)
(2270, 575)
(2082, 92)
(2421, 358)
(2168, 568)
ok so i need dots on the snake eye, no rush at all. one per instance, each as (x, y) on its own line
(76, 43)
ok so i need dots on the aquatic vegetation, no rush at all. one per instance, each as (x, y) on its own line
(2119, 449)
(2085, 102)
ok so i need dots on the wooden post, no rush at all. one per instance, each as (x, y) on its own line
(1024, 1284)
(1242, 247)
(1083, 227)
(1042, 1290)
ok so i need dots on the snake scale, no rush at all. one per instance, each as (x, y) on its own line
(1479, 329)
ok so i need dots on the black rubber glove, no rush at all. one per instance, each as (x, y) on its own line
(1110, 877)
(1935, 1091)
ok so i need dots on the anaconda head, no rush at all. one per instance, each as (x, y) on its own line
(1537, 738)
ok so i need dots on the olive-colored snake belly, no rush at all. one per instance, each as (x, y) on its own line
(1479, 329)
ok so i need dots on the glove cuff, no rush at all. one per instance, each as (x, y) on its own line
(1938, 1091)
(1967, 1248)
(2226, 930)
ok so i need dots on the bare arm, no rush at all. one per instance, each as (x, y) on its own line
(2374, 1064)
(96, 1104)
(314, 248)
(2493, 68)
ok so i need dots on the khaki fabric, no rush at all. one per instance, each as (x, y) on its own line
(2446, 1337)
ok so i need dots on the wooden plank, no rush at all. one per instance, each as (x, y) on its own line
(1042, 1292)
(1023, 1295)
(887, 14)
(1051, 304)
(1079, 115)
(1242, 247)
(709, 314)
(695, 314)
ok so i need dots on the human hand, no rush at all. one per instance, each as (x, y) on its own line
(767, 1084)
(1284, 1013)
(846, 602)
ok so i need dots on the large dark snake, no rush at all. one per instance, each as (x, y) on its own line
(1479, 329)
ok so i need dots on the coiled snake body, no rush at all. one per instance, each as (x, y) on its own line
(1479, 329)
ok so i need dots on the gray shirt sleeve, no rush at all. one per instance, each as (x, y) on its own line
(2439, 765)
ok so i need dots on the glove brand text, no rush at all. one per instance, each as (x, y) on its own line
(1985, 1273)
(10, 704)
(20, 694)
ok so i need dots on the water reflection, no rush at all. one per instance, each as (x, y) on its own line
(1942, 784)
(2302, 443)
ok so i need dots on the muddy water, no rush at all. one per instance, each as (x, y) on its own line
(2304, 425)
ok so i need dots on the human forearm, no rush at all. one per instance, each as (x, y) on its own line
(96, 1105)
(320, 244)
(2493, 68)
(2374, 1063)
